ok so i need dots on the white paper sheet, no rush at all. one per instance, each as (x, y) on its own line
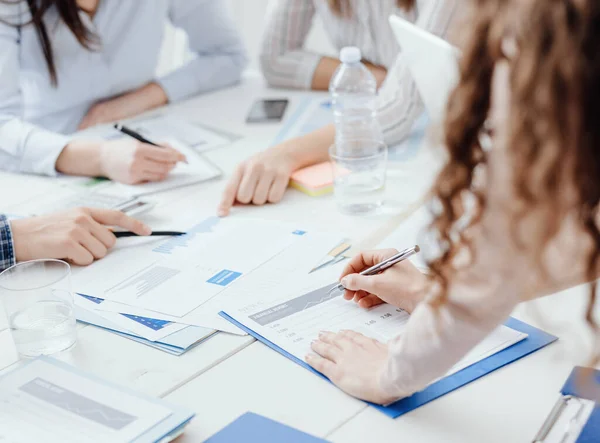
(186, 137)
(291, 264)
(44, 402)
(170, 279)
(142, 325)
(292, 322)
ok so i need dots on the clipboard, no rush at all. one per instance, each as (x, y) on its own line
(575, 417)
(536, 340)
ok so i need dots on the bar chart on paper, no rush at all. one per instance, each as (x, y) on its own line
(183, 241)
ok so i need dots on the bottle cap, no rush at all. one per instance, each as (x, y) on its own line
(350, 54)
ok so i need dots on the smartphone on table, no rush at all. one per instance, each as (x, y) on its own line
(269, 110)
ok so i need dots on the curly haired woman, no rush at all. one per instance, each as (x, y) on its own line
(530, 78)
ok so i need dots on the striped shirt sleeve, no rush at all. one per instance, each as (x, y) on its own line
(7, 250)
(400, 104)
(283, 60)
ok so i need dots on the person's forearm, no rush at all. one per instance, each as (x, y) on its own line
(311, 148)
(322, 76)
(151, 96)
(81, 157)
(327, 67)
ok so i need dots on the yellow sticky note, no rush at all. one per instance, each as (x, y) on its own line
(314, 180)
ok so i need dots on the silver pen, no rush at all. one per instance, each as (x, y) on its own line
(382, 266)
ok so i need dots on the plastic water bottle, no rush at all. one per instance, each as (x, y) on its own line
(353, 90)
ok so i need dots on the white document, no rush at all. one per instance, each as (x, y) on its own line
(171, 278)
(293, 322)
(291, 264)
(144, 326)
(164, 127)
(197, 170)
(186, 137)
(43, 402)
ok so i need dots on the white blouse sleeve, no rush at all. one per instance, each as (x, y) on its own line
(23, 147)
(283, 60)
(219, 54)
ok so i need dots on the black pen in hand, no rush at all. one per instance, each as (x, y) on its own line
(124, 234)
(134, 134)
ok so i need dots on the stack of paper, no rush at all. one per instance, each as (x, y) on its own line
(47, 400)
(167, 293)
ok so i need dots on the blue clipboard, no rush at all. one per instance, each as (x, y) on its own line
(536, 340)
(585, 383)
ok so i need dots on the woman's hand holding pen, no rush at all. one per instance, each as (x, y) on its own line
(402, 285)
(130, 161)
(352, 361)
(125, 160)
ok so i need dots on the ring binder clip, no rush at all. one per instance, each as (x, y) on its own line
(573, 426)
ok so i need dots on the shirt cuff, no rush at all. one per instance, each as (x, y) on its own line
(34, 150)
(7, 246)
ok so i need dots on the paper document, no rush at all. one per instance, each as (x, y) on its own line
(170, 279)
(290, 267)
(197, 170)
(293, 322)
(146, 327)
(175, 344)
(162, 128)
(187, 138)
(193, 135)
(41, 401)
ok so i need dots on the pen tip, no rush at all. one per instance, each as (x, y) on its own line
(417, 249)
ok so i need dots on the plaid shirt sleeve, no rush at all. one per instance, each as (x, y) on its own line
(7, 250)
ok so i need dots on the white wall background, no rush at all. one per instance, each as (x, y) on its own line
(250, 16)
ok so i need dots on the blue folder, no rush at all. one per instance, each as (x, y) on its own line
(254, 428)
(585, 383)
(536, 340)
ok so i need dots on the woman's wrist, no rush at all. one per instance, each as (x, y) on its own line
(311, 148)
(81, 157)
(151, 96)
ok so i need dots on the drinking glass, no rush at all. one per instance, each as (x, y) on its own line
(359, 170)
(38, 302)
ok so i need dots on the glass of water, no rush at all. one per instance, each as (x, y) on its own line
(38, 302)
(359, 170)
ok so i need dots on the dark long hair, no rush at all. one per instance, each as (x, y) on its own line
(68, 11)
(342, 7)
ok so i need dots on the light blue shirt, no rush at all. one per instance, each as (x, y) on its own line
(36, 116)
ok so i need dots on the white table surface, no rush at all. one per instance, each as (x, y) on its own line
(228, 375)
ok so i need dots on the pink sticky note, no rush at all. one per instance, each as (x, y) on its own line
(315, 176)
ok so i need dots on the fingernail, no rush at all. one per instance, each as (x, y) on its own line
(345, 281)
(222, 213)
(147, 230)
